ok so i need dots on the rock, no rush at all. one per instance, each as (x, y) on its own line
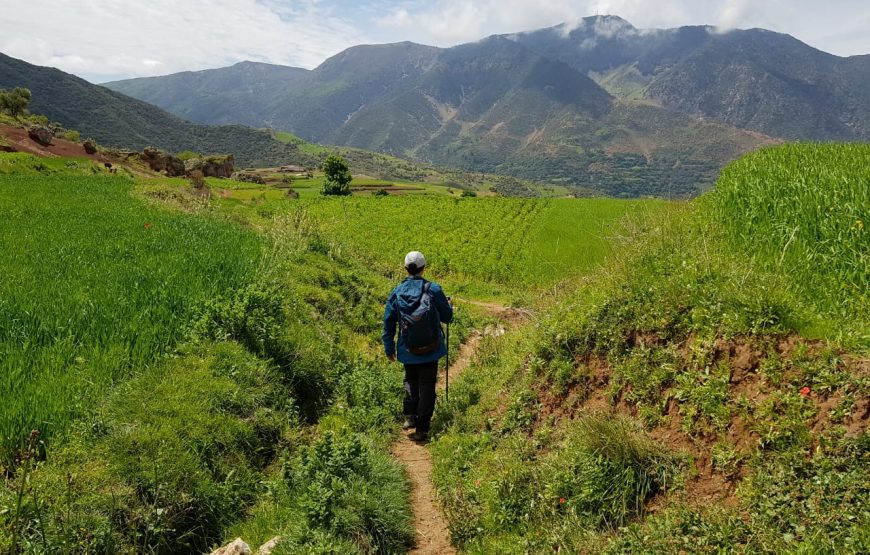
(269, 546)
(248, 177)
(236, 547)
(292, 194)
(161, 161)
(90, 146)
(40, 134)
(211, 166)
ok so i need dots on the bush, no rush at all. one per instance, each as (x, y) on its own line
(196, 178)
(72, 136)
(468, 194)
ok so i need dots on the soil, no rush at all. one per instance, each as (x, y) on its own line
(431, 530)
(707, 485)
(22, 142)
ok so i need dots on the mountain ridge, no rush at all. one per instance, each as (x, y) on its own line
(493, 105)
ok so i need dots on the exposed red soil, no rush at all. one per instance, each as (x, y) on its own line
(22, 142)
(707, 483)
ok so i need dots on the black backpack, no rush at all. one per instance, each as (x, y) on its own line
(420, 326)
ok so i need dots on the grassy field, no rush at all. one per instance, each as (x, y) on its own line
(100, 287)
(481, 244)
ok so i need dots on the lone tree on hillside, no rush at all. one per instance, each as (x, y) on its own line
(338, 176)
(14, 102)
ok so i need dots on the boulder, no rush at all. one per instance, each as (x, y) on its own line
(40, 134)
(248, 177)
(211, 166)
(90, 146)
(161, 161)
(236, 547)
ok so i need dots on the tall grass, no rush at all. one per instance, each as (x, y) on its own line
(805, 210)
(94, 285)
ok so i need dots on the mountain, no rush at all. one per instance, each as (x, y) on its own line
(753, 79)
(114, 119)
(492, 106)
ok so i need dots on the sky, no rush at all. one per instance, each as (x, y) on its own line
(103, 40)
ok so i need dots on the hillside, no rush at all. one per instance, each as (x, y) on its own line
(490, 106)
(116, 120)
(752, 79)
(668, 377)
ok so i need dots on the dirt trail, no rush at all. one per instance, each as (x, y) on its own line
(432, 534)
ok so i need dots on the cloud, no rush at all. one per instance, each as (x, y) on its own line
(105, 38)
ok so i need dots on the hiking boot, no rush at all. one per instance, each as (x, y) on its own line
(410, 422)
(419, 437)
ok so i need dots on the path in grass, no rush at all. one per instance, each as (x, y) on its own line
(430, 526)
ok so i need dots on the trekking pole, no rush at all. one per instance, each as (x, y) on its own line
(447, 369)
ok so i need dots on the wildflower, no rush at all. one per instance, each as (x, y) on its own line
(147, 226)
(477, 483)
(561, 500)
(805, 391)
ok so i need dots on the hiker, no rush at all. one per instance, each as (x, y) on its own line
(418, 307)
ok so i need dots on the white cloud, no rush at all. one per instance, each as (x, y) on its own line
(447, 22)
(104, 38)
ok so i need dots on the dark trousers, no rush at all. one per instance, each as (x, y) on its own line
(420, 393)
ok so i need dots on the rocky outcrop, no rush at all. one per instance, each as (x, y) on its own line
(211, 166)
(40, 134)
(90, 146)
(248, 177)
(161, 161)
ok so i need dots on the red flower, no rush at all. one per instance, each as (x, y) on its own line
(805, 391)
(147, 226)
(561, 500)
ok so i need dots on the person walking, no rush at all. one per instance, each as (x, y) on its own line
(417, 307)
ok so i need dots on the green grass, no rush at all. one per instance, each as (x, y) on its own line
(101, 286)
(803, 210)
(484, 243)
(662, 334)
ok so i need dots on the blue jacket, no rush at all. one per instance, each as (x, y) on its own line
(403, 296)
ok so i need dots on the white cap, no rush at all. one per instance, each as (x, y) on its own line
(415, 261)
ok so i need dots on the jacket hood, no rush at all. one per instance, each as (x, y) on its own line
(410, 292)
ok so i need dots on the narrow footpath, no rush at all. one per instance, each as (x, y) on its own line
(430, 525)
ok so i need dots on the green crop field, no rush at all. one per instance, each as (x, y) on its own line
(94, 286)
(804, 209)
(484, 242)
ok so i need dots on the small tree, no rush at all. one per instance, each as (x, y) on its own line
(14, 102)
(338, 176)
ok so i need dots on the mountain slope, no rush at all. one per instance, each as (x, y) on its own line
(753, 79)
(114, 119)
(492, 106)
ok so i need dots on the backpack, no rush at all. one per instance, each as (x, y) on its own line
(420, 327)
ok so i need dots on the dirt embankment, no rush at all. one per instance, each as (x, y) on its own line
(20, 141)
(743, 356)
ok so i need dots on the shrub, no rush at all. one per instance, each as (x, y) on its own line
(196, 178)
(14, 102)
(468, 194)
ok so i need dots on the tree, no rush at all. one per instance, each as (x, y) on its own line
(338, 176)
(14, 102)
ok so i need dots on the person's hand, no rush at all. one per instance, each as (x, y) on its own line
(450, 301)
(391, 358)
